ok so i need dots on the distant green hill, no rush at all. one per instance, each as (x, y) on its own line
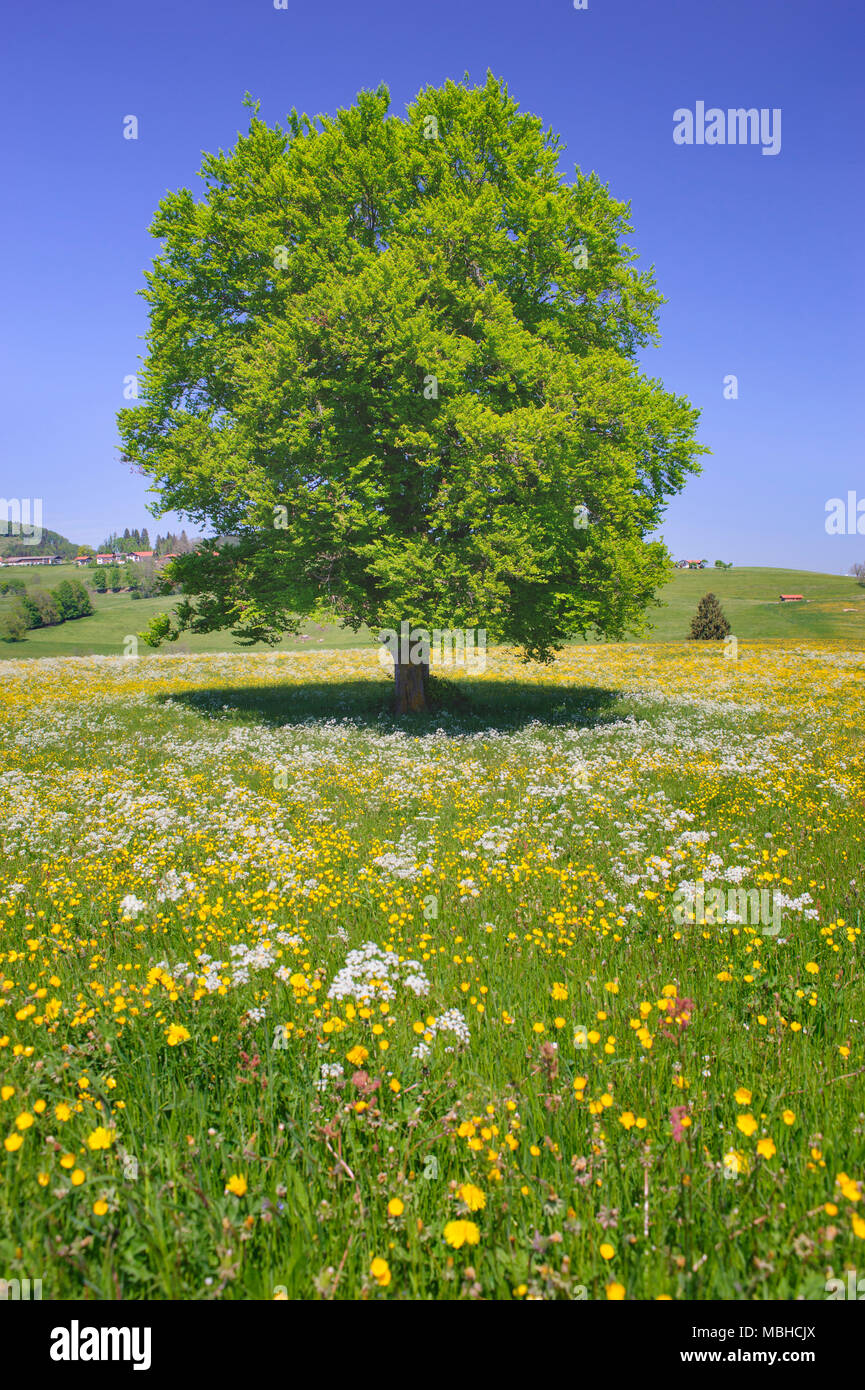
(49, 543)
(750, 600)
(748, 596)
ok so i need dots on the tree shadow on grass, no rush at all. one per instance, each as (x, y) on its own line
(458, 707)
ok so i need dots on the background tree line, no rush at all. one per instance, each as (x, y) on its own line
(169, 544)
(38, 607)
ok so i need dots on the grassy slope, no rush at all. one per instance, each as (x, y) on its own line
(749, 597)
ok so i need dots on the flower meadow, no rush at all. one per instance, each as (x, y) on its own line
(300, 1001)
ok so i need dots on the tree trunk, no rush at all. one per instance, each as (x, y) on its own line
(411, 683)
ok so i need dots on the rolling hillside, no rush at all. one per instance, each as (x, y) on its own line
(835, 607)
(750, 599)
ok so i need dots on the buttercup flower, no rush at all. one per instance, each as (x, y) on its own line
(380, 1272)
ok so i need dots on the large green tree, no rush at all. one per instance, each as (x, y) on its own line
(394, 360)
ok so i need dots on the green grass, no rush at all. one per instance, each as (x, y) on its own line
(749, 597)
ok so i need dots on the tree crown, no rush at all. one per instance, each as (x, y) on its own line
(392, 363)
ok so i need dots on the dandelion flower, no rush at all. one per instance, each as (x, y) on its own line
(458, 1233)
(101, 1138)
(473, 1197)
(849, 1188)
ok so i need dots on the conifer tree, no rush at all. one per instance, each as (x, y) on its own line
(709, 623)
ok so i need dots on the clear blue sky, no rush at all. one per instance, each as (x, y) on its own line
(760, 257)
